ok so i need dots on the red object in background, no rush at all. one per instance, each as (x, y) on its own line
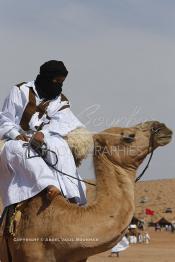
(149, 212)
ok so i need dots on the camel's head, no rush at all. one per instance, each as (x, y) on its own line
(128, 147)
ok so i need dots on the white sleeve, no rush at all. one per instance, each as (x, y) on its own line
(62, 123)
(8, 126)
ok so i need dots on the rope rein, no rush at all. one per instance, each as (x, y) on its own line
(42, 152)
(151, 144)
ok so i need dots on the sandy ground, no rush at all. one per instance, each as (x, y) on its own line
(160, 249)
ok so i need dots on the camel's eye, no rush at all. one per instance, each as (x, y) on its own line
(128, 138)
(132, 135)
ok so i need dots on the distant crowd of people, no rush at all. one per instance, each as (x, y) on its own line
(137, 234)
(168, 227)
(140, 237)
(130, 238)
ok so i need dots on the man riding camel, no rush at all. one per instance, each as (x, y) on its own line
(34, 113)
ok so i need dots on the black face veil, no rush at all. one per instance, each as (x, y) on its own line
(45, 86)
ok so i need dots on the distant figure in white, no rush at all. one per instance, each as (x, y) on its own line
(121, 246)
(133, 234)
(132, 239)
(140, 238)
(146, 238)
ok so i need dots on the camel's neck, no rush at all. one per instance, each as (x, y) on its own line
(115, 185)
(112, 180)
(113, 209)
(114, 206)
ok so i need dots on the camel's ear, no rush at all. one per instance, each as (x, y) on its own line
(99, 139)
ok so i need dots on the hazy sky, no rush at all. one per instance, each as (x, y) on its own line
(120, 55)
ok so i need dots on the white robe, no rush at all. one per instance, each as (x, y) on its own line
(22, 178)
(121, 246)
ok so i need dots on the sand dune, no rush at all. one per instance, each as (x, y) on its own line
(157, 195)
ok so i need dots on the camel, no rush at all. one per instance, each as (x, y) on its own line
(66, 232)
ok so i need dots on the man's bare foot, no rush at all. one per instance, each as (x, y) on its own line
(52, 192)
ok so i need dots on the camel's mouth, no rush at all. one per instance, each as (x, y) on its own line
(164, 139)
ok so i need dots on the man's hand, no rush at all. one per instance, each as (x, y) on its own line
(22, 137)
(39, 137)
(37, 142)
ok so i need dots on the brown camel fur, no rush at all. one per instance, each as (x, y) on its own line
(79, 232)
